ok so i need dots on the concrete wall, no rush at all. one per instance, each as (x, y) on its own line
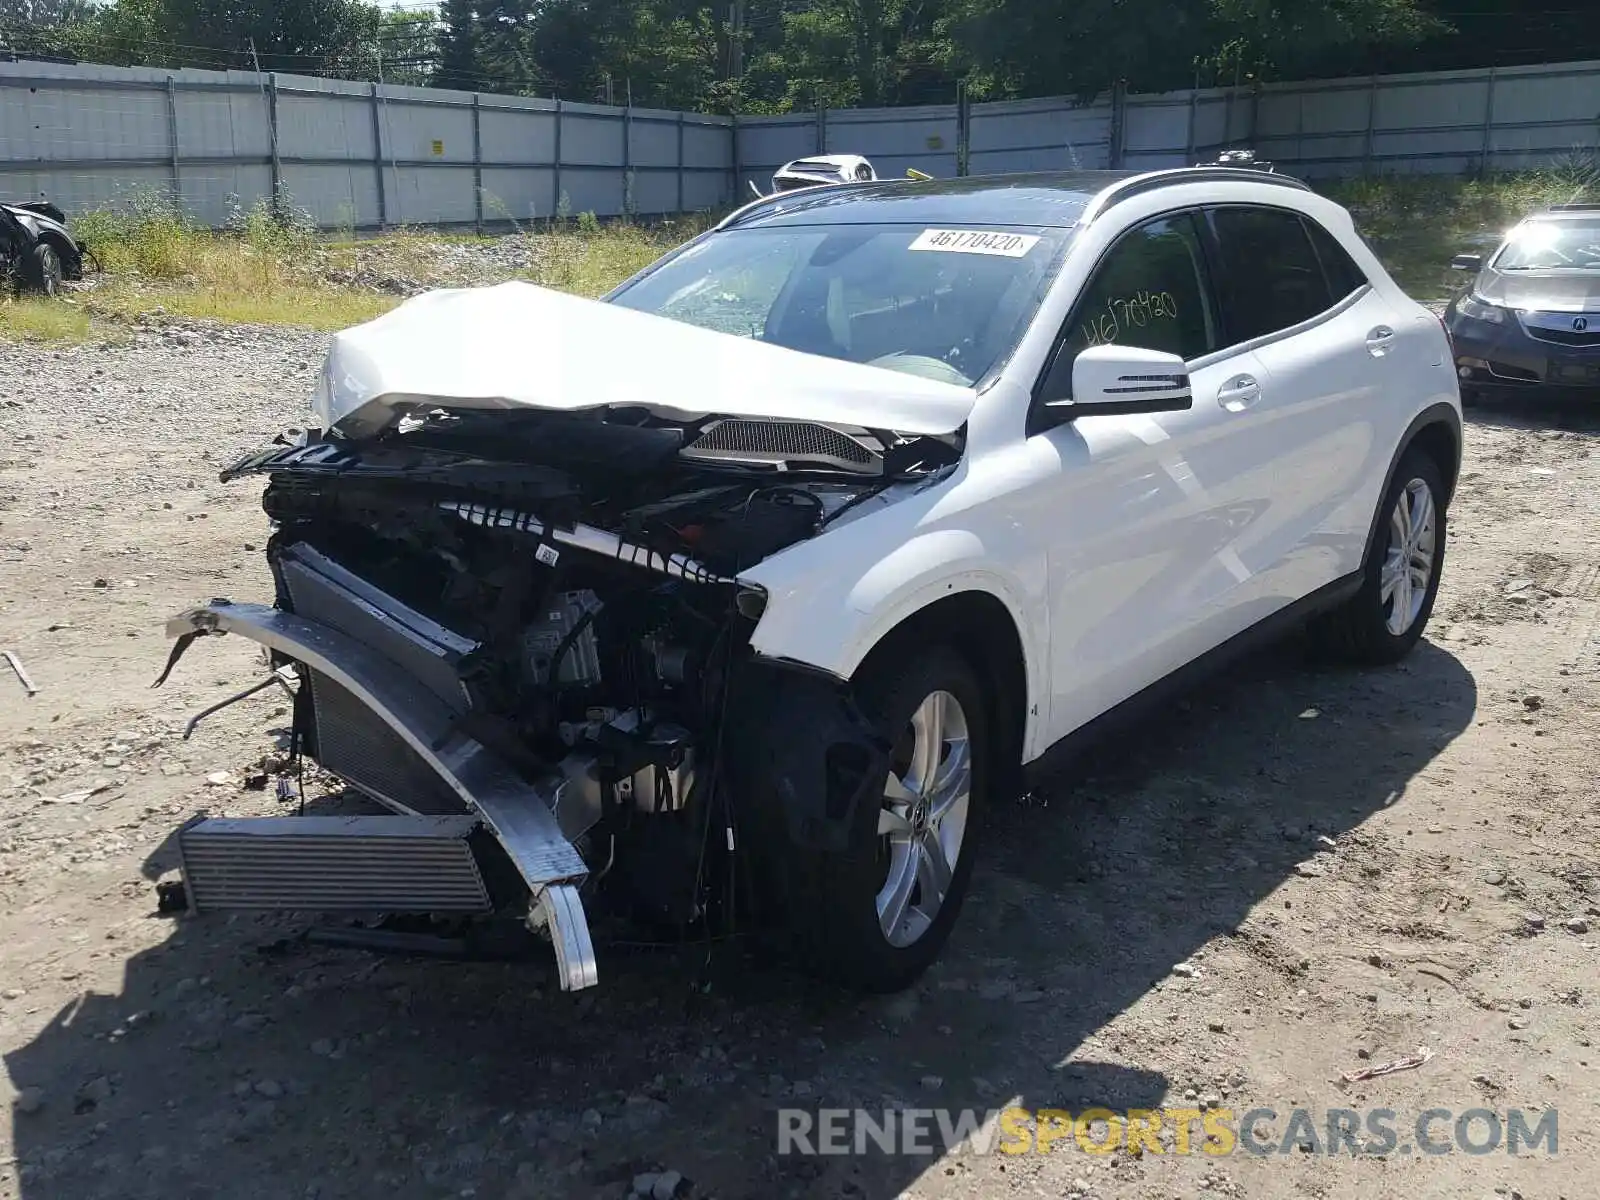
(361, 155)
(353, 155)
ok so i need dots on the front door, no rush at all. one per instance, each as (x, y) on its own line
(1144, 513)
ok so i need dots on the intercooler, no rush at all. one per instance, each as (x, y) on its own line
(351, 864)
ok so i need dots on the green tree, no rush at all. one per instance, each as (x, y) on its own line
(52, 28)
(44, 14)
(406, 48)
(458, 45)
(1084, 46)
(124, 34)
(846, 52)
(505, 46)
(335, 37)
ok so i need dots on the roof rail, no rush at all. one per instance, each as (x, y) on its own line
(1153, 180)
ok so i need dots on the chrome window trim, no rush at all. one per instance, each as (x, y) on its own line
(1268, 339)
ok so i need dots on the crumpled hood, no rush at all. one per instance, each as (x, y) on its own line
(1542, 291)
(517, 345)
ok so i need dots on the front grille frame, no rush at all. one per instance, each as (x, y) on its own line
(1555, 329)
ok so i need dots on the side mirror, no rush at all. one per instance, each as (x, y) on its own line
(1467, 262)
(1115, 380)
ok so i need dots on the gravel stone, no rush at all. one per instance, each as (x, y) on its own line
(29, 1101)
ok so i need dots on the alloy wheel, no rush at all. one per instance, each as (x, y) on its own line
(1408, 561)
(923, 821)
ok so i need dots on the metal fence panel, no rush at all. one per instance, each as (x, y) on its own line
(508, 132)
(1037, 135)
(519, 194)
(352, 155)
(441, 195)
(341, 196)
(922, 139)
(591, 136)
(359, 155)
(213, 192)
(322, 128)
(222, 124)
(423, 131)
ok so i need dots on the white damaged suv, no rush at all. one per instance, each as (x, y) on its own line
(739, 596)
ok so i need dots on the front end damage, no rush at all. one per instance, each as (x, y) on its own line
(522, 636)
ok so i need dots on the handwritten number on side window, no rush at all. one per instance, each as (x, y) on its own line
(1123, 313)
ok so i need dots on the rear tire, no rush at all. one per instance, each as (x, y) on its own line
(1400, 580)
(876, 916)
(44, 271)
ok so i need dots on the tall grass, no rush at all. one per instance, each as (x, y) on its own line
(259, 268)
(589, 259)
(268, 264)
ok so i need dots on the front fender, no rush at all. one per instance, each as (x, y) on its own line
(830, 601)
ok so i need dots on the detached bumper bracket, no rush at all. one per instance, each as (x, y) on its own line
(520, 814)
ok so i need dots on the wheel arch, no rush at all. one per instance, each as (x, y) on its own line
(1436, 431)
(979, 627)
(71, 259)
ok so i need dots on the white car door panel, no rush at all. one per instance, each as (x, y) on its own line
(1144, 515)
(1337, 385)
(1324, 339)
(1128, 524)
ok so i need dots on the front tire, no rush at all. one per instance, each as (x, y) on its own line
(1385, 619)
(877, 915)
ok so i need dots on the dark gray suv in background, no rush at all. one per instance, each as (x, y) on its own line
(1530, 321)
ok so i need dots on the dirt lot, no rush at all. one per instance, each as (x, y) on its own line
(1294, 874)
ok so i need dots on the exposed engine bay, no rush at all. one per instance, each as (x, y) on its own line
(561, 590)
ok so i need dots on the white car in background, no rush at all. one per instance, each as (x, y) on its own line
(819, 170)
(744, 593)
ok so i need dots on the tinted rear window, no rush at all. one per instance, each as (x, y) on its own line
(1343, 275)
(1274, 278)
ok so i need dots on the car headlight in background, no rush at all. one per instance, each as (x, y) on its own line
(1471, 306)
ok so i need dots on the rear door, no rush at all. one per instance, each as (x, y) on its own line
(1325, 339)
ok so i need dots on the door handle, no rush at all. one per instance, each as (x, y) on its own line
(1378, 341)
(1239, 393)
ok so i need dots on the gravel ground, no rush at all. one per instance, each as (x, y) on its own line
(1293, 874)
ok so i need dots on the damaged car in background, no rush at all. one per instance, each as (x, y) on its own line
(37, 249)
(732, 601)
